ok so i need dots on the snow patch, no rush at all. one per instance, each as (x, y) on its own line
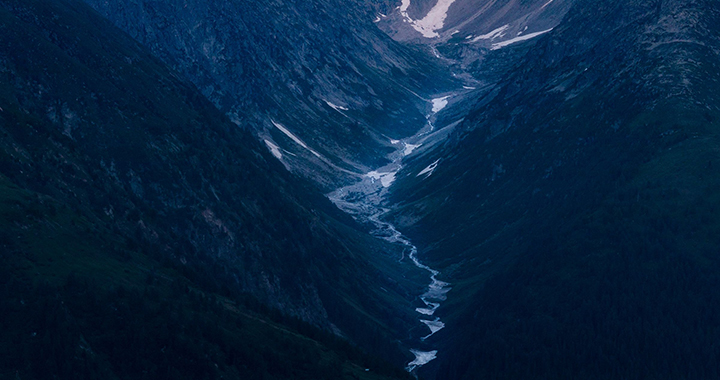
(425, 311)
(274, 149)
(336, 107)
(546, 4)
(435, 326)
(409, 148)
(293, 137)
(430, 309)
(518, 39)
(436, 291)
(429, 169)
(499, 32)
(439, 103)
(386, 179)
(421, 358)
(468, 88)
(432, 22)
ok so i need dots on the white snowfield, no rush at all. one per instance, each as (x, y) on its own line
(274, 149)
(432, 22)
(293, 137)
(497, 33)
(546, 4)
(437, 290)
(425, 311)
(385, 178)
(409, 148)
(434, 325)
(518, 39)
(421, 358)
(429, 169)
(336, 107)
(439, 103)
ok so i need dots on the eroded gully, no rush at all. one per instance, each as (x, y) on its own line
(366, 202)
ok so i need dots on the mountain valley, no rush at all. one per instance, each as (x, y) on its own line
(372, 189)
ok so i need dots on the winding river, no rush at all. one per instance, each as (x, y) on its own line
(365, 201)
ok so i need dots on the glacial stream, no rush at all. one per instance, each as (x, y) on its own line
(365, 201)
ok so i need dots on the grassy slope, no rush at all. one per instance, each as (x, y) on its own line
(577, 219)
(618, 289)
(74, 307)
(117, 175)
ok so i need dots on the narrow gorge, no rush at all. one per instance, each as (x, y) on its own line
(367, 202)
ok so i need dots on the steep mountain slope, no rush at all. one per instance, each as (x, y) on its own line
(115, 170)
(479, 40)
(574, 209)
(328, 90)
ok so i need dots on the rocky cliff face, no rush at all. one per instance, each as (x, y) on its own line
(480, 22)
(479, 40)
(336, 83)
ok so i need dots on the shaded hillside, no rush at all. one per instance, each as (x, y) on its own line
(575, 209)
(115, 170)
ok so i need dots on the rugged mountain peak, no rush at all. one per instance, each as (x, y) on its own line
(490, 24)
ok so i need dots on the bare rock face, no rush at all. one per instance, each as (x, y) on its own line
(336, 83)
(479, 40)
(480, 22)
